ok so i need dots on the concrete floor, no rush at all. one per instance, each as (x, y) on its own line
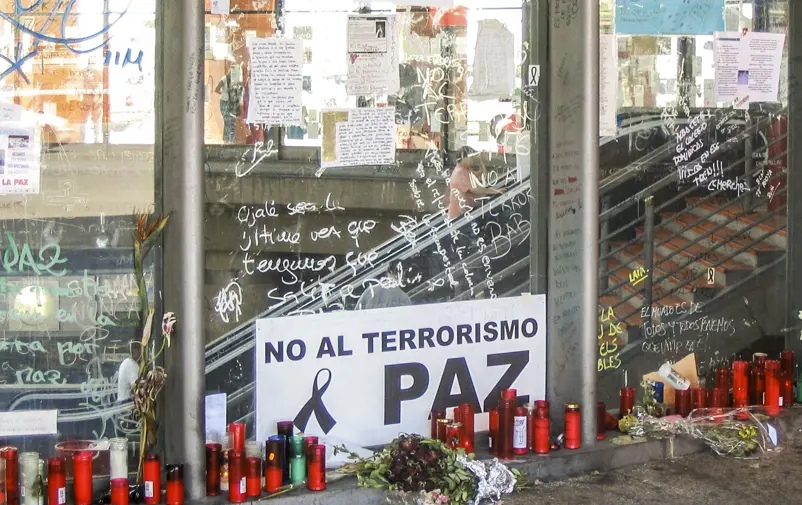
(699, 479)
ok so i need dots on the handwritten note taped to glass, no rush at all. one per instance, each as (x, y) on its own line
(355, 137)
(276, 81)
(668, 17)
(28, 422)
(372, 56)
(216, 414)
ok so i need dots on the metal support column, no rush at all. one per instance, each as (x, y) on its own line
(180, 141)
(536, 22)
(794, 259)
(573, 286)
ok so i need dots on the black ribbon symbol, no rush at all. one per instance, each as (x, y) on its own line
(315, 405)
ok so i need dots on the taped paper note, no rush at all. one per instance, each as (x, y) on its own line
(668, 17)
(354, 137)
(494, 64)
(747, 67)
(215, 415)
(276, 81)
(19, 160)
(608, 85)
(25, 423)
(372, 56)
(221, 6)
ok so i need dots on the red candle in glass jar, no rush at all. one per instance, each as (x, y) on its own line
(788, 367)
(308, 443)
(542, 443)
(717, 402)
(772, 397)
(57, 481)
(317, 469)
(626, 401)
(175, 484)
(237, 479)
(723, 382)
(435, 415)
(253, 478)
(454, 435)
(467, 415)
(601, 413)
(152, 479)
(274, 464)
(442, 430)
(697, 397)
(214, 456)
(506, 420)
(456, 415)
(573, 428)
(119, 491)
(11, 457)
(759, 359)
(758, 390)
(682, 402)
(237, 431)
(519, 431)
(740, 383)
(82, 477)
(530, 430)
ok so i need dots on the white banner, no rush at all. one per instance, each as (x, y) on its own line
(366, 377)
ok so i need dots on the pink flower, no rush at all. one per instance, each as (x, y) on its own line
(168, 325)
(435, 495)
(444, 499)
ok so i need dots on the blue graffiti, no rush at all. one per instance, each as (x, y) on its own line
(21, 56)
(126, 59)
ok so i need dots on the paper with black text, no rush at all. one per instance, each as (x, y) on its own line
(221, 6)
(608, 85)
(20, 156)
(276, 81)
(354, 137)
(215, 416)
(28, 423)
(748, 67)
(371, 377)
(372, 55)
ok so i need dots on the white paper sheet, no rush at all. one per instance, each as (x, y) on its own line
(19, 159)
(221, 6)
(747, 67)
(494, 63)
(424, 3)
(608, 85)
(276, 81)
(372, 55)
(28, 422)
(215, 415)
(354, 137)
(13, 112)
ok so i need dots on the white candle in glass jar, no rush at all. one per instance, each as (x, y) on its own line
(118, 458)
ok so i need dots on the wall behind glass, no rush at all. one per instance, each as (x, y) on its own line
(694, 238)
(76, 161)
(447, 221)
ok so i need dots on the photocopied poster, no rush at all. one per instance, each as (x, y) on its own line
(608, 85)
(748, 67)
(372, 55)
(366, 379)
(494, 62)
(221, 6)
(354, 137)
(19, 159)
(668, 17)
(276, 81)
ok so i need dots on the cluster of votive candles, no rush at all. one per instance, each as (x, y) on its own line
(290, 460)
(513, 430)
(24, 471)
(761, 382)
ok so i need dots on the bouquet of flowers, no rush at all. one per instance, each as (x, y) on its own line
(421, 471)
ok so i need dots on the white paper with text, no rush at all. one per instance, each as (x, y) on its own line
(19, 159)
(494, 63)
(372, 56)
(608, 85)
(276, 81)
(748, 67)
(25, 423)
(355, 137)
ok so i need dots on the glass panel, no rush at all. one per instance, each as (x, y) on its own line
(76, 160)
(693, 183)
(447, 221)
